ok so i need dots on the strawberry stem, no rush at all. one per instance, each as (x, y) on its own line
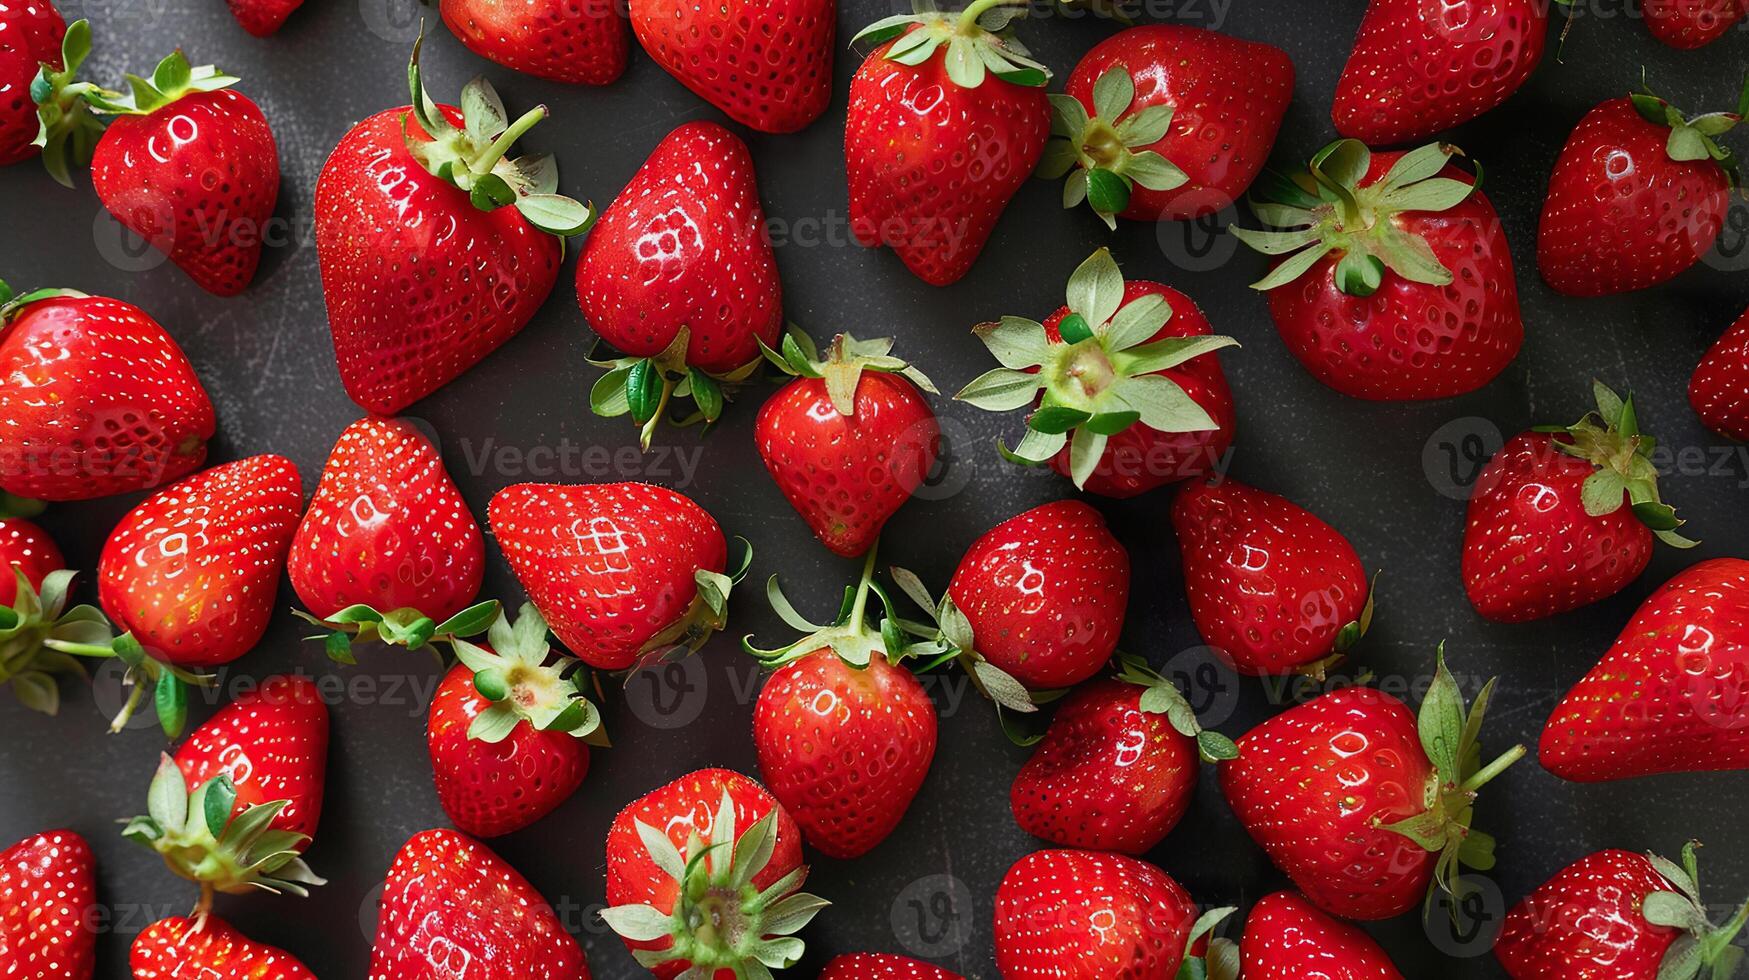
(508, 138)
(1492, 769)
(968, 22)
(860, 604)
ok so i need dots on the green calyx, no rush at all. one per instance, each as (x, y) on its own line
(1162, 697)
(1105, 150)
(849, 636)
(1706, 950)
(977, 42)
(708, 614)
(1610, 439)
(12, 304)
(407, 628)
(1695, 139)
(67, 130)
(172, 79)
(1100, 378)
(846, 359)
(474, 158)
(646, 388)
(1346, 637)
(1221, 961)
(948, 636)
(1449, 737)
(523, 687)
(721, 920)
(1326, 211)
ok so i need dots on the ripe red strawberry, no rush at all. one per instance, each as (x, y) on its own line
(1359, 810)
(882, 966)
(1086, 915)
(1690, 24)
(1167, 122)
(451, 907)
(1719, 389)
(679, 277)
(263, 17)
(1287, 938)
(583, 42)
(1561, 519)
(26, 549)
(388, 549)
(39, 56)
(48, 894)
(1619, 915)
(947, 119)
(767, 65)
(716, 844)
(1668, 696)
(850, 439)
(506, 730)
(98, 399)
(189, 164)
(622, 571)
(177, 948)
(1393, 280)
(1274, 589)
(1638, 195)
(1129, 395)
(423, 274)
(1117, 767)
(847, 774)
(1418, 68)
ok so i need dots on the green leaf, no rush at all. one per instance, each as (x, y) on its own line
(216, 803)
(1001, 390)
(706, 393)
(172, 74)
(1441, 722)
(1145, 128)
(1359, 274)
(1657, 516)
(1435, 194)
(1292, 267)
(556, 214)
(1602, 492)
(608, 396)
(1416, 165)
(1074, 329)
(1034, 448)
(470, 621)
(493, 725)
(1016, 342)
(1111, 423)
(1096, 288)
(1075, 189)
(1137, 322)
(1107, 192)
(491, 192)
(1343, 163)
(1068, 117)
(1086, 448)
(638, 923)
(643, 390)
(1113, 92)
(1687, 144)
(170, 698)
(1163, 406)
(1609, 404)
(1673, 910)
(964, 66)
(167, 798)
(1059, 156)
(1054, 419)
(1154, 171)
(1171, 352)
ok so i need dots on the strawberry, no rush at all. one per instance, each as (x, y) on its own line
(48, 893)
(1623, 916)
(1668, 696)
(850, 439)
(434, 247)
(1364, 836)
(506, 730)
(189, 164)
(40, 636)
(766, 65)
(1167, 122)
(1274, 589)
(1638, 195)
(1036, 603)
(947, 119)
(388, 549)
(582, 42)
(680, 278)
(1393, 280)
(262, 17)
(451, 907)
(98, 399)
(1719, 389)
(689, 894)
(177, 948)
(26, 550)
(847, 775)
(1287, 938)
(1563, 518)
(1418, 68)
(1086, 915)
(1690, 24)
(1117, 767)
(39, 55)
(1129, 395)
(882, 966)
(622, 571)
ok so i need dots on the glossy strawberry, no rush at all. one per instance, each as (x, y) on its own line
(1361, 811)
(680, 278)
(48, 904)
(451, 907)
(1418, 68)
(262, 17)
(850, 439)
(423, 275)
(177, 948)
(506, 730)
(1393, 281)
(582, 42)
(882, 966)
(98, 397)
(1638, 195)
(272, 742)
(1287, 938)
(44, 109)
(1689, 24)
(1719, 389)
(767, 65)
(1271, 586)
(1671, 693)
(702, 869)
(1621, 916)
(936, 145)
(26, 548)
(1167, 122)
(388, 549)
(1129, 395)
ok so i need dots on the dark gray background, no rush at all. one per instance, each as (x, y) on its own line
(1390, 476)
